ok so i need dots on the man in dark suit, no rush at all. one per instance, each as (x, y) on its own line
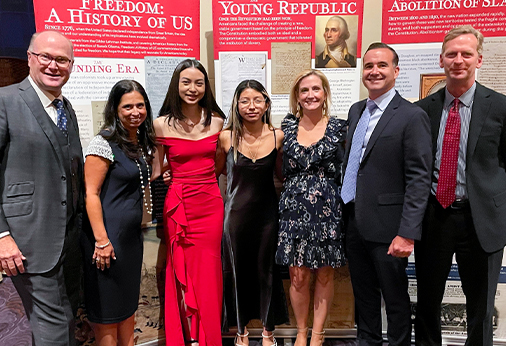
(385, 189)
(41, 190)
(466, 215)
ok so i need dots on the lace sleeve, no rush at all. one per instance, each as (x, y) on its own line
(99, 146)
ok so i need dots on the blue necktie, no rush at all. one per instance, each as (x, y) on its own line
(350, 176)
(61, 121)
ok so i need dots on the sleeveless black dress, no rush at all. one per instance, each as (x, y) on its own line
(252, 284)
(112, 295)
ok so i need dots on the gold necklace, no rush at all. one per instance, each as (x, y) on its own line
(190, 123)
(254, 157)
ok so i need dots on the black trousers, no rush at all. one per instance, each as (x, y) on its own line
(373, 274)
(447, 232)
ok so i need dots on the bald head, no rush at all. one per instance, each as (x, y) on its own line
(45, 49)
(50, 35)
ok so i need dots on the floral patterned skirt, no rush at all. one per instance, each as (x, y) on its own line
(310, 227)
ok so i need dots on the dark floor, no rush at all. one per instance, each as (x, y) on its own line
(15, 329)
(328, 342)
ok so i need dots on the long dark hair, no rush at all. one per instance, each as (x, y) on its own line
(235, 119)
(113, 130)
(172, 104)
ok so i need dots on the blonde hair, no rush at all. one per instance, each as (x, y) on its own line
(295, 108)
(235, 123)
(463, 30)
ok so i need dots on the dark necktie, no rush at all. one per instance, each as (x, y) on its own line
(349, 187)
(447, 181)
(61, 121)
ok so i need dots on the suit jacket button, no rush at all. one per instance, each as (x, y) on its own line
(64, 203)
(63, 178)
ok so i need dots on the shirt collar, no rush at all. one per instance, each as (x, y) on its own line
(45, 98)
(466, 98)
(382, 101)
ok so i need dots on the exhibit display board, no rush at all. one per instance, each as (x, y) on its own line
(416, 29)
(115, 40)
(408, 21)
(271, 41)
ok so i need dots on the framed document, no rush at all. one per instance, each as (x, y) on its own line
(430, 83)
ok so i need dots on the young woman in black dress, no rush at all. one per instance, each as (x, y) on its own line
(250, 146)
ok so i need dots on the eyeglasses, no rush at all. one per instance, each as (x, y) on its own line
(247, 102)
(46, 59)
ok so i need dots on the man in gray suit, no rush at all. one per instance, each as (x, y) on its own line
(41, 190)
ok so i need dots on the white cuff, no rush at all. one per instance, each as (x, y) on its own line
(4, 234)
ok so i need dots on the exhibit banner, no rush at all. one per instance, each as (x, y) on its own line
(123, 28)
(412, 21)
(115, 40)
(273, 41)
(247, 25)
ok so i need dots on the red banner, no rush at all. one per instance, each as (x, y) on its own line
(252, 25)
(123, 28)
(413, 21)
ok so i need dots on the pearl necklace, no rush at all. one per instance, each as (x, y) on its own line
(143, 187)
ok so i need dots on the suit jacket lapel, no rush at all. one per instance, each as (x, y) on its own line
(388, 114)
(479, 113)
(70, 113)
(33, 102)
(435, 112)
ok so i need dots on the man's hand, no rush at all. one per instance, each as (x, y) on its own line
(401, 247)
(11, 259)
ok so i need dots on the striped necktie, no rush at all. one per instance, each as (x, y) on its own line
(349, 187)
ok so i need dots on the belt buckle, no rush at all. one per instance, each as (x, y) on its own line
(454, 205)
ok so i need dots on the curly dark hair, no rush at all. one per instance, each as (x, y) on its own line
(113, 130)
(171, 107)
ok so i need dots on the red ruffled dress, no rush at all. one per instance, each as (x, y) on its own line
(193, 220)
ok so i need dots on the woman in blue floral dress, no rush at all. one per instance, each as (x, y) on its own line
(310, 234)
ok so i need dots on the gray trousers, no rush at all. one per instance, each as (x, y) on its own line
(50, 299)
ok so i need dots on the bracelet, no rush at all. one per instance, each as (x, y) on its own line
(102, 246)
(4, 234)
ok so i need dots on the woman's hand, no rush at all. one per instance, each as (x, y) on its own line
(102, 256)
(167, 177)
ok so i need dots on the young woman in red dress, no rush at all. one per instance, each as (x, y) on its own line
(187, 134)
